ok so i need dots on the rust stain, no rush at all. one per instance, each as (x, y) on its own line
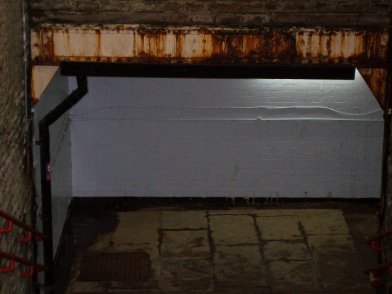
(252, 46)
(281, 47)
(376, 79)
(211, 45)
(179, 42)
(342, 46)
(260, 47)
(48, 45)
(99, 44)
(34, 98)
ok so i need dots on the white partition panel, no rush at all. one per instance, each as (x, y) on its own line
(227, 138)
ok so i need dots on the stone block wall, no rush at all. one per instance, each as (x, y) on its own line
(15, 182)
(250, 13)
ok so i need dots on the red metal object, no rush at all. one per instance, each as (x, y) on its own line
(30, 231)
(379, 237)
(7, 229)
(39, 238)
(375, 245)
(33, 267)
(375, 280)
(374, 242)
(27, 238)
(380, 267)
(8, 269)
(28, 273)
(375, 273)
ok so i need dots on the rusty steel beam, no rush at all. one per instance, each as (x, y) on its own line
(52, 44)
(376, 79)
(364, 48)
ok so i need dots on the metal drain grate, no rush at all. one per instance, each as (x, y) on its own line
(130, 266)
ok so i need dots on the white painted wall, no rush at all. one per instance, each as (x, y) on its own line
(207, 138)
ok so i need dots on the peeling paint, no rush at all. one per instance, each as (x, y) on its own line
(358, 47)
(52, 44)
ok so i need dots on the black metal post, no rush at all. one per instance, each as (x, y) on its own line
(46, 190)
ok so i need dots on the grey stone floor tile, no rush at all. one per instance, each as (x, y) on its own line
(239, 265)
(330, 222)
(277, 250)
(331, 243)
(192, 219)
(233, 229)
(293, 277)
(279, 228)
(185, 244)
(186, 274)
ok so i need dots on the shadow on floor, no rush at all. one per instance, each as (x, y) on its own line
(299, 247)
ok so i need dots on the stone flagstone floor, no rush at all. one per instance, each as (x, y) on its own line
(234, 251)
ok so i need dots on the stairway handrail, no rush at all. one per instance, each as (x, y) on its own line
(21, 224)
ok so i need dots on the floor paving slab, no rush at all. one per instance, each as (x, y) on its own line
(331, 243)
(239, 266)
(339, 266)
(185, 244)
(293, 277)
(137, 228)
(184, 220)
(330, 222)
(186, 274)
(279, 228)
(233, 230)
(237, 251)
(277, 250)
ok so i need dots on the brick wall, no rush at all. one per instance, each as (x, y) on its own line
(15, 185)
(214, 12)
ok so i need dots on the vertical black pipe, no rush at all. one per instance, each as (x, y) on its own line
(46, 189)
(46, 193)
(30, 131)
